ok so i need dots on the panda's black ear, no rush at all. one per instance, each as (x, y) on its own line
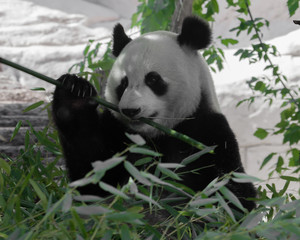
(120, 39)
(195, 33)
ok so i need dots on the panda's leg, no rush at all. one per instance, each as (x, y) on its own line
(85, 135)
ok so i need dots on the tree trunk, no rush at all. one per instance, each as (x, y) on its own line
(183, 9)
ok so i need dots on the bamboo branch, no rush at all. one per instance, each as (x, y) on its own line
(109, 105)
(257, 31)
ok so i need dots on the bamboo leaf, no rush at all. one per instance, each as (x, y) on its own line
(143, 161)
(252, 220)
(79, 222)
(147, 199)
(86, 50)
(169, 173)
(197, 155)
(102, 166)
(136, 138)
(290, 178)
(206, 211)
(91, 210)
(291, 206)
(67, 203)
(225, 206)
(275, 201)
(5, 166)
(203, 201)
(133, 187)
(144, 151)
(113, 190)
(214, 186)
(267, 159)
(285, 187)
(231, 197)
(33, 106)
(38, 89)
(87, 198)
(125, 233)
(135, 173)
(27, 140)
(243, 178)
(170, 165)
(39, 192)
(157, 180)
(81, 182)
(17, 128)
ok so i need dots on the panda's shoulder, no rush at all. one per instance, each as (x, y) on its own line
(216, 125)
(209, 128)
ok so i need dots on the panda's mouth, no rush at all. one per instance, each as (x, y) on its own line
(153, 115)
(138, 122)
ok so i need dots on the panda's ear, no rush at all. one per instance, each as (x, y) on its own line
(120, 39)
(195, 33)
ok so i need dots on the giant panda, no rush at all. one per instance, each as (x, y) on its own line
(160, 76)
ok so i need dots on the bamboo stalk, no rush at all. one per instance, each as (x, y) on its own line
(109, 105)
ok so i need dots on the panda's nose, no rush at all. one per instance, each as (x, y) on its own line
(130, 112)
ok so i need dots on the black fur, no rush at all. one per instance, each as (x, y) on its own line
(87, 136)
(120, 40)
(155, 82)
(121, 88)
(195, 33)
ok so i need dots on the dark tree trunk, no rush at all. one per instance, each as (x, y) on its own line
(183, 9)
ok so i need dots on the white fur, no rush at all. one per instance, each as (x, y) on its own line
(184, 70)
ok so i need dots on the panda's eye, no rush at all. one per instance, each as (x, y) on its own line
(155, 82)
(121, 88)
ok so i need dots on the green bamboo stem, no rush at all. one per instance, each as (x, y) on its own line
(109, 105)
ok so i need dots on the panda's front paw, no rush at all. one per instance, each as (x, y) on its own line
(76, 91)
(77, 86)
(72, 98)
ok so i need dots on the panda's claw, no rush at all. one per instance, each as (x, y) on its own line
(76, 86)
(64, 79)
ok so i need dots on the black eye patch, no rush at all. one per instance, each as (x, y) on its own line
(121, 88)
(155, 82)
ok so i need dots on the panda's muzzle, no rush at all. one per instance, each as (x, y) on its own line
(130, 112)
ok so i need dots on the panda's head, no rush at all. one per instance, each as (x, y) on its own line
(160, 76)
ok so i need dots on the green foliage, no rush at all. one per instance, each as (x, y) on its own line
(261, 133)
(271, 88)
(293, 5)
(153, 15)
(91, 67)
(37, 203)
(215, 55)
(206, 9)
